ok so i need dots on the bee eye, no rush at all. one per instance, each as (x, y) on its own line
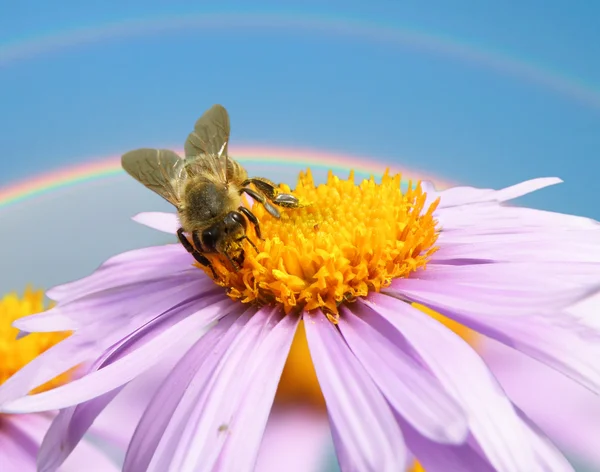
(209, 238)
(238, 218)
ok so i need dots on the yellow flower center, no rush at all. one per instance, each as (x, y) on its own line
(15, 353)
(347, 241)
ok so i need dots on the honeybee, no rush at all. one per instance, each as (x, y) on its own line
(206, 187)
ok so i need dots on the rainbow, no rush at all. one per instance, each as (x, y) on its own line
(524, 69)
(107, 167)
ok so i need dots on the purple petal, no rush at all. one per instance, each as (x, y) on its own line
(523, 188)
(542, 393)
(89, 458)
(155, 419)
(436, 457)
(91, 341)
(47, 322)
(26, 432)
(412, 391)
(76, 349)
(536, 246)
(195, 434)
(166, 222)
(366, 435)
(548, 455)
(528, 276)
(558, 340)
(493, 421)
(459, 196)
(125, 368)
(125, 307)
(261, 378)
(17, 448)
(549, 283)
(140, 265)
(490, 298)
(67, 430)
(296, 437)
(86, 456)
(492, 218)
(128, 407)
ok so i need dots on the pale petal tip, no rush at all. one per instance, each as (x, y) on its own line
(161, 221)
(53, 293)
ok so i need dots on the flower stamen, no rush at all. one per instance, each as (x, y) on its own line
(347, 241)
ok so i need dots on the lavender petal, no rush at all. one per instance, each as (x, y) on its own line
(196, 432)
(487, 298)
(493, 421)
(461, 196)
(298, 434)
(67, 429)
(159, 411)
(559, 340)
(139, 265)
(17, 448)
(436, 457)
(166, 222)
(248, 423)
(409, 388)
(351, 396)
(124, 369)
(122, 307)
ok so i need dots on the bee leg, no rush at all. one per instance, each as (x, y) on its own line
(197, 255)
(264, 185)
(253, 219)
(286, 200)
(259, 197)
(250, 241)
(235, 265)
(184, 241)
(272, 192)
(205, 262)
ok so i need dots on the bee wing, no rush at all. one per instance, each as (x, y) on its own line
(161, 170)
(206, 146)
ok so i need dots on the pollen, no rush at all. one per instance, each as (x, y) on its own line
(346, 241)
(15, 353)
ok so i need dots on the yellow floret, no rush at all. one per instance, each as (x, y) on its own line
(346, 241)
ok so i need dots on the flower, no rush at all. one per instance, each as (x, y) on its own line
(351, 265)
(21, 435)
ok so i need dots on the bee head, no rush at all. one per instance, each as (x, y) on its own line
(234, 226)
(221, 236)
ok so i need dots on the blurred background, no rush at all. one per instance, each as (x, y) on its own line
(458, 92)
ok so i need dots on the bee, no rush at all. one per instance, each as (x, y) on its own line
(206, 188)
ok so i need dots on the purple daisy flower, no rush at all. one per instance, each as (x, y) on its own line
(360, 267)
